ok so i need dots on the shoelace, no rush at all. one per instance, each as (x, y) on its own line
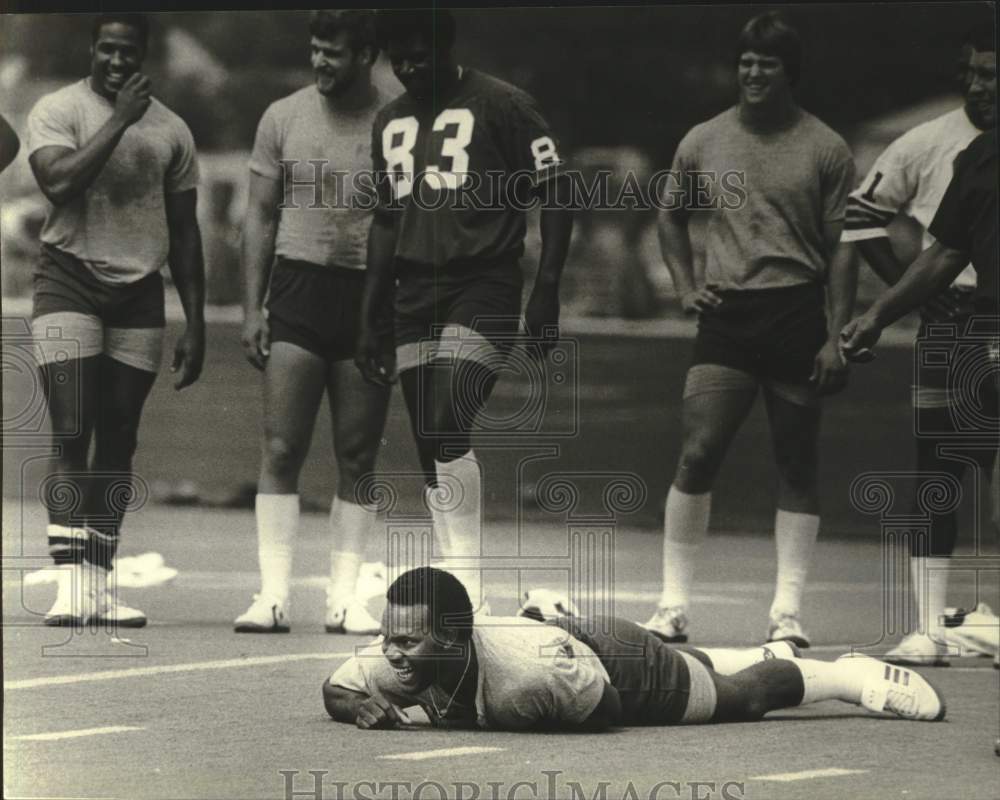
(902, 700)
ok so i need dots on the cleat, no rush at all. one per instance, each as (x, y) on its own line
(108, 608)
(897, 690)
(786, 628)
(265, 615)
(544, 604)
(668, 623)
(975, 632)
(349, 615)
(919, 650)
(784, 649)
(74, 602)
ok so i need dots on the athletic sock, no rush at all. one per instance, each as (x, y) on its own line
(458, 522)
(277, 524)
(730, 660)
(66, 544)
(794, 536)
(930, 590)
(684, 527)
(351, 526)
(825, 680)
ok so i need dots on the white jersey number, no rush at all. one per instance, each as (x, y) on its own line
(400, 136)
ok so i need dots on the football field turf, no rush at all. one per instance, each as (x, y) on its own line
(188, 709)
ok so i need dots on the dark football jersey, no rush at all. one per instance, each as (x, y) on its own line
(458, 176)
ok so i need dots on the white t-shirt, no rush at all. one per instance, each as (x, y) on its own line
(301, 128)
(910, 177)
(118, 225)
(528, 673)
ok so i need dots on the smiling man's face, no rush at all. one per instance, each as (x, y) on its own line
(410, 645)
(115, 56)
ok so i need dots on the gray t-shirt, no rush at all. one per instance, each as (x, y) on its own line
(794, 180)
(301, 128)
(118, 226)
(528, 673)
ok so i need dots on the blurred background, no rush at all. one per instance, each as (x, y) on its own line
(620, 86)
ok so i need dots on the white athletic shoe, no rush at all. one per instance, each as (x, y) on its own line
(112, 610)
(74, 603)
(544, 604)
(349, 615)
(975, 632)
(919, 650)
(669, 623)
(786, 628)
(898, 690)
(265, 615)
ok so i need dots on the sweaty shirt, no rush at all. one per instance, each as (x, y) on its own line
(910, 177)
(118, 225)
(327, 223)
(529, 673)
(471, 142)
(794, 180)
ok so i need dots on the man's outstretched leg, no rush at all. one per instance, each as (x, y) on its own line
(860, 680)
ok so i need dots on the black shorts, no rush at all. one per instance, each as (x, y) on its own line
(771, 334)
(63, 283)
(471, 310)
(315, 307)
(652, 679)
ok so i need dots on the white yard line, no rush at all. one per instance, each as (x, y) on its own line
(808, 775)
(55, 735)
(446, 752)
(165, 669)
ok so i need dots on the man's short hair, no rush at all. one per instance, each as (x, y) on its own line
(770, 34)
(140, 22)
(442, 593)
(436, 25)
(358, 24)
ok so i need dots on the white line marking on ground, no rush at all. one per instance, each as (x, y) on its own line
(164, 669)
(51, 737)
(446, 752)
(808, 775)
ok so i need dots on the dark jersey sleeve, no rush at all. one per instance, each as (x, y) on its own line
(528, 142)
(950, 225)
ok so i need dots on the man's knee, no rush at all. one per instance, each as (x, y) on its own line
(699, 462)
(355, 458)
(282, 456)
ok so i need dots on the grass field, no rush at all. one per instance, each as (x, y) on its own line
(187, 709)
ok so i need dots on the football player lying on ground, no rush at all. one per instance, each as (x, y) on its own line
(513, 673)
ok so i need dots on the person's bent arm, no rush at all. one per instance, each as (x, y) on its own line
(63, 173)
(342, 704)
(373, 357)
(608, 712)
(882, 259)
(933, 269)
(259, 232)
(187, 266)
(9, 144)
(675, 246)
(556, 227)
(830, 369)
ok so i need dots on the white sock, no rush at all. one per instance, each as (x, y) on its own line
(794, 537)
(730, 660)
(930, 590)
(829, 680)
(277, 524)
(458, 527)
(684, 527)
(351, 526)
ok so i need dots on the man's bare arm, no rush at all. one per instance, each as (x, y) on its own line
(63, 173)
